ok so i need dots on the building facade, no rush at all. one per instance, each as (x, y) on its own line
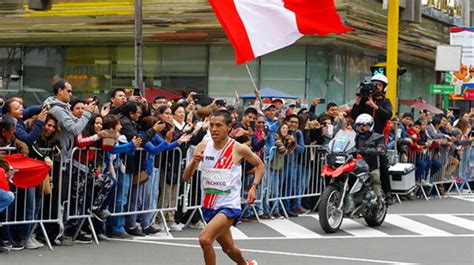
(90, 43)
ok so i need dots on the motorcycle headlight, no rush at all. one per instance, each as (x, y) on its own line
(335, 161)
(340, 160)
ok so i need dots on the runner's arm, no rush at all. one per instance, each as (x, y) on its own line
(197, 158)
(245, 152)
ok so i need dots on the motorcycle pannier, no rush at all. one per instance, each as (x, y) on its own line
(402, 177)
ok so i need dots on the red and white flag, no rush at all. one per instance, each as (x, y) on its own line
(257, 27)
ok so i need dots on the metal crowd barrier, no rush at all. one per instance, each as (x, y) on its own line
(297, 177)
(439, 167)
(104, 181)
(38, 205)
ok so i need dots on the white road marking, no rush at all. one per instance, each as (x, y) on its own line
(454, 220)
(274, 252)
(237, 234)
(414, 226)
(290, 229)
(469, 198)
(357, 229)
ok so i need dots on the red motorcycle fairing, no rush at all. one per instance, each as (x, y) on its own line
(334, 173)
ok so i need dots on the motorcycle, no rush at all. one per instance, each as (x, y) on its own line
(349, 192)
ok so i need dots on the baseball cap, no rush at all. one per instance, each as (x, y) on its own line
(276, 100)
(268, 106)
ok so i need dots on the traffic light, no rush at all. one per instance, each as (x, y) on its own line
(381, 68)
(40, 5)
(411, 11)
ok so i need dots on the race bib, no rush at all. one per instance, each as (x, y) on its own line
(216, 181)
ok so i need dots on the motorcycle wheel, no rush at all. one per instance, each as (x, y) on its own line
(375, 217)
(330, 218)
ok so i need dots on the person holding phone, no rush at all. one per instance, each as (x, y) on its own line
(242, 131)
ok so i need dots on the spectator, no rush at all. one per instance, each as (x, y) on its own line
(77, 107)
(117, 99)
(156, 103)
(242, 129)
(14, 108)
(70, 126)
(407, 121)
(115, 225)
(285, 144)
(376, 105)
(293, 173)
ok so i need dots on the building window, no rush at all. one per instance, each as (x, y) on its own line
(226, 77)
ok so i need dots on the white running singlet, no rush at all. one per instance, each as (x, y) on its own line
(217, 160)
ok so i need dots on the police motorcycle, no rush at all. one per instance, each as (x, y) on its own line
(349, 190)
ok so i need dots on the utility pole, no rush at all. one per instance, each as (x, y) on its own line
(466, 13)
(392, 52)
(139, 47)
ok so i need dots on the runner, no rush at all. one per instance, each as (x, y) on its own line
(221, 182)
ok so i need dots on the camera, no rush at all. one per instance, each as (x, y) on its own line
(366, 89)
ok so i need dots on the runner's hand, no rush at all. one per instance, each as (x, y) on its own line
(198, 156)
(251, 195)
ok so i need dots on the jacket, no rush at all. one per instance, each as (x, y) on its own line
(28, 136)
(381, 116)
(371, 140)
(70, 126)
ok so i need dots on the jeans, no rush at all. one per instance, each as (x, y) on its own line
(301, 183)
(422, 167)
(273, 180)
(116, 224)
(290, 178)
(144, 197)
(6, 198)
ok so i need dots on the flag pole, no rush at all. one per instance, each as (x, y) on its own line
(251, 77)
(257, 96)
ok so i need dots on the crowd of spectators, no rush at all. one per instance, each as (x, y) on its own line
(275, 129)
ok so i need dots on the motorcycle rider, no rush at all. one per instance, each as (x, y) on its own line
(366, 138)
(380, 108)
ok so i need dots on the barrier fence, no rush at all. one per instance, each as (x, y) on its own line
(149, 187)
(35, 206)
(447, 165)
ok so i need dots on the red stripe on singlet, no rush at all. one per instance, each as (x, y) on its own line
(210, 199)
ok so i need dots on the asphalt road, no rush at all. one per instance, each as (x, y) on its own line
(439, 231)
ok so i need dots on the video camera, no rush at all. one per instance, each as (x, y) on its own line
(366, 89)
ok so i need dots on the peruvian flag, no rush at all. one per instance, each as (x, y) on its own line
(257, 27)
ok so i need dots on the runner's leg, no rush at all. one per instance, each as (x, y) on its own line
(228, 246)
(215, 228)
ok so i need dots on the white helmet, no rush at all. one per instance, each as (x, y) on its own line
(365, 119)
(381, 78)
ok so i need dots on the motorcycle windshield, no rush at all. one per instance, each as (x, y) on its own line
(342, 142)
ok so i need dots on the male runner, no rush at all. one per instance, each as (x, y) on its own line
(221, 181)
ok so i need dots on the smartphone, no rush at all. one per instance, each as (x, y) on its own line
(265, 131)
(95, 100)
(56, 150)
(322, 101)
(290, 132)
(221, 102)
(136, 92)
(282, 113)
(252, 125)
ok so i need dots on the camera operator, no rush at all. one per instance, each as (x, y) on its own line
(371, 100)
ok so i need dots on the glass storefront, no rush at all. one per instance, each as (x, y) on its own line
(304, 71)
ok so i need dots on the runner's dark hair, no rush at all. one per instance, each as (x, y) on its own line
(223, 113)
